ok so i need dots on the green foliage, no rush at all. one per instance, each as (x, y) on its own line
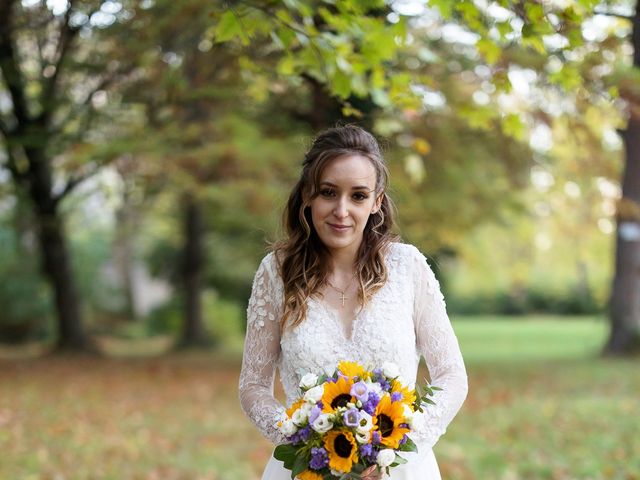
(25, 297)
(342, 47)
(525, 302)
(223, 319)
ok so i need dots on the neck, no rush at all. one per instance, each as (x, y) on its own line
(343, 261)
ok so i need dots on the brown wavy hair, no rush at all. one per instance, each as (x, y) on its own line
(303, 260)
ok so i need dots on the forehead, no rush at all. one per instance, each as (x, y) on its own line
(348, 171)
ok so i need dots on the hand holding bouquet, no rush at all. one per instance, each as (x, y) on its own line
(350, 425)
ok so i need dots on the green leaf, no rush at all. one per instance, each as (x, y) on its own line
(512, 125)
(341, 85)
(408, 446)
(286, 66)
(228, 27)
(445, 7)
(535, 12)
(286, 454)
(504, 28)
(286, 36)
(489, 50)
(299, 466)
(399, 460)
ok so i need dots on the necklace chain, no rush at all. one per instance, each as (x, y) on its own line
(343, 297)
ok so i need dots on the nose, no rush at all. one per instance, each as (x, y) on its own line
(340, 210)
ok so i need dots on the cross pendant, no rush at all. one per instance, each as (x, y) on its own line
(342, 297)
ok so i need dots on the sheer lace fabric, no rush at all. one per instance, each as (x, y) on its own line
(406, 319)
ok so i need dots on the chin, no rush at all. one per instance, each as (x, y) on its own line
(337, 243)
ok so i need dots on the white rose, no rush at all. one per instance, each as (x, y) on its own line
(322, 424)
(365, 424)
(363, 437)
(308, 381)
(386, 457)
(390, 370)
(313, 395)
(288, 428)
(300, 416)
(408, 414)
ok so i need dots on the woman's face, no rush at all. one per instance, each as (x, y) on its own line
(344, 202)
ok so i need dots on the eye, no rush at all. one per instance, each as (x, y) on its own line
(326, 192)
(360, 196)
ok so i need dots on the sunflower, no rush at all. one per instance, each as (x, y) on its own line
(408, 395)
(337, 395)
(296, 405)
(387, 419)
(342, 449)
(352, 369)
(309, 475)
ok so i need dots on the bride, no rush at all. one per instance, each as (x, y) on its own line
(341, 287)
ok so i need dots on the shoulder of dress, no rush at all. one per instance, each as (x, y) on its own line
(270, 263)
(269, 267)
(399, 250)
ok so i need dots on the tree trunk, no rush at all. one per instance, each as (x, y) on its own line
(55, 254)
(123, 253)
(57, 267)
(194, 333)
(624, 335)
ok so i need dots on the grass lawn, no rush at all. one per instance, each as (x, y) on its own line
(541, 405)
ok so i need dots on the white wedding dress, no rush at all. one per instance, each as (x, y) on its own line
(405, 319)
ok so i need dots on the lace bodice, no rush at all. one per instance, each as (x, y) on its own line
(405, 319)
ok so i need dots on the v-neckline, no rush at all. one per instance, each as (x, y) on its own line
(347, 336)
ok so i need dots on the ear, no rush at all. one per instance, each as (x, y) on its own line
(377, 204)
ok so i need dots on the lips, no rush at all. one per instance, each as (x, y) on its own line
(339, 228)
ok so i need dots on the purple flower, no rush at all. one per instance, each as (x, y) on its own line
(351, 417)
(368, 452)
(319, 458)
(375, 438)
(372, 402)
(404, 439)
(360, 391)
(379, 377)
(396, 396)
(301, 435)
(315, 413)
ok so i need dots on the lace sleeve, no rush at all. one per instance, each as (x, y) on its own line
(437, 342)
(261, 352)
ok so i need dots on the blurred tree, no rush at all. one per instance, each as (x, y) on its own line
(189, 96)
(52, 87)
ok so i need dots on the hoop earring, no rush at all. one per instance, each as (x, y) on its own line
(380, 223)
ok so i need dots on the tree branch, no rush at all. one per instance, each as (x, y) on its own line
(294, 28)
(18, 176)
(104, 83)
(10, 65)
(67, 35)
(4, 129)
(73, 182)
(613, 14)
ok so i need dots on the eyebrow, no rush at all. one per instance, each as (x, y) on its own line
(358, 187)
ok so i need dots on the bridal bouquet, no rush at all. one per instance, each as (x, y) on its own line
(350, 424)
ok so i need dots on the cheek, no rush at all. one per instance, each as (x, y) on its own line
(318, 210)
